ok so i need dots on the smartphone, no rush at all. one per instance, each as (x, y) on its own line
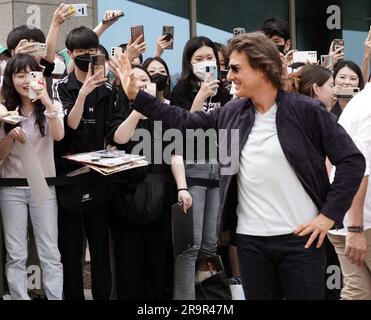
(136, 31)
(337, 44)
(347, 93)
(97, 63)
(369, 34)
(238, 31)
(41, 49)
(150, 88)
(326, 61)
(168, 31)
(213, 71)
(115, 51)
(77, 10)
(304, 56)
(36, 81)
(118, 16)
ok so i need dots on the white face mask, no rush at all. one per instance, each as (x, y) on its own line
(59, 68)
(199, 68)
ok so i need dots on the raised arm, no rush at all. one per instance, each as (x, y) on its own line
(365, 64)
(59, 17)
(171, 116)
(102, 27)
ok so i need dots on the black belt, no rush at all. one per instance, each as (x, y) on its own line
(65, 181)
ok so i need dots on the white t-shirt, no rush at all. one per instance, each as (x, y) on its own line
(271, 199)
(356, 120)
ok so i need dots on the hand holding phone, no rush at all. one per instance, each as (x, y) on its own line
(97, 63)
(137, 31)
(41, 49)
(77, 10)
(115, 16)
(337, 44)
(327, 61)
(168, 32)
(212, 75)
(36, 84)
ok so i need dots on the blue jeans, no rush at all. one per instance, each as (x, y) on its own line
(15, 205)
(277, 267)
(205, 214)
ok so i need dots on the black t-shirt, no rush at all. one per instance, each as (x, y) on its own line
(183, 96)
(91, 133)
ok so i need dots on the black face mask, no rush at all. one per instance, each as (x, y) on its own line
(280, 47)
(82, 62)
(160, 80)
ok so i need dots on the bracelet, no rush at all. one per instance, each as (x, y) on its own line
(51, 115)
(183, 189)
(356, 229)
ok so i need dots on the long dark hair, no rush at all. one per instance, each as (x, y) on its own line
(12, 99)
(190, 48)
(146, 64)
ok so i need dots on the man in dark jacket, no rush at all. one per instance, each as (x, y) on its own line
(279, 192)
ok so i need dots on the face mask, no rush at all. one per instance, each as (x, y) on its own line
(199, 69)
(82, 62)
(160, 80)
(59, 68)
(280, 47)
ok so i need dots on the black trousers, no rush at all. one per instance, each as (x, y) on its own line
(143, 258)
(71, 244)
(279, 267)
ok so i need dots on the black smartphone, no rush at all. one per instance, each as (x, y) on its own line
(120, 15)
(97, 63)
(136, 31)
(168, 31)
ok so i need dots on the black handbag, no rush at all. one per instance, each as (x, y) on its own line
(214, 288)
(85, 196)
(140, 203)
